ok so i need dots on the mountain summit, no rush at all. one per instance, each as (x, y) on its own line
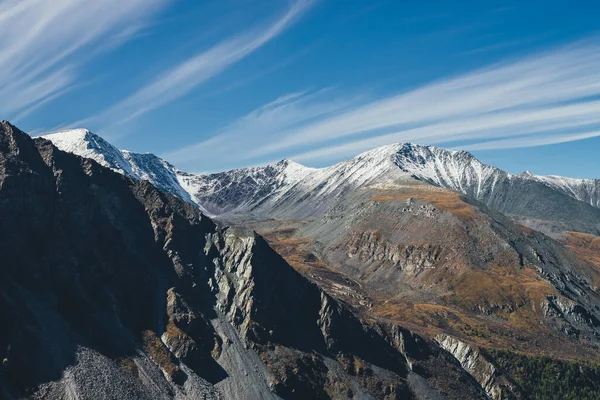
(144, 166)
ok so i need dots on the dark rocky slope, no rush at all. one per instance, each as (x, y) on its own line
(110, 289)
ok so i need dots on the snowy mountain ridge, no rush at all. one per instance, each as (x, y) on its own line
(584, 190)
(290, 189)
(146, 166)
(461, 171)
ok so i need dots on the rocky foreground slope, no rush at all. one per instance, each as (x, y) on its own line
(110, 288)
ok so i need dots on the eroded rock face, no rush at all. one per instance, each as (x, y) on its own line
(477, 366)
(370, 247)
(302, 339)
(570, 317)
(113, 289)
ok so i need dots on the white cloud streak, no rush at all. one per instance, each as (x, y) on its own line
(184, 77)
(517, 127)
(43, 42)
(476, 102)
(532, 141)
(260, 127)
(546, 98)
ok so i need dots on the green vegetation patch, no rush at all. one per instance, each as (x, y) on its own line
(545, 378)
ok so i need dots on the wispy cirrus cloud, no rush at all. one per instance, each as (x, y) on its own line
(545, 98)
(187, 75)
(488, 131)
(43, 43)
(532, 141)
(261, 126)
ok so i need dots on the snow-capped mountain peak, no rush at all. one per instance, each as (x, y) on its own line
(457, 170)
(87, 144)
(146, 166)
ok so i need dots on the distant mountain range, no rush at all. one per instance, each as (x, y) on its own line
(290, 190)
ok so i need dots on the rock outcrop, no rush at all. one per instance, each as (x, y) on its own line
(477, 366)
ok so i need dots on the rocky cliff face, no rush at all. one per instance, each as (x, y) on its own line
(480, 369)
(111, 288)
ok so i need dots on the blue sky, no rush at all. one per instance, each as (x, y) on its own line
(213, 85)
